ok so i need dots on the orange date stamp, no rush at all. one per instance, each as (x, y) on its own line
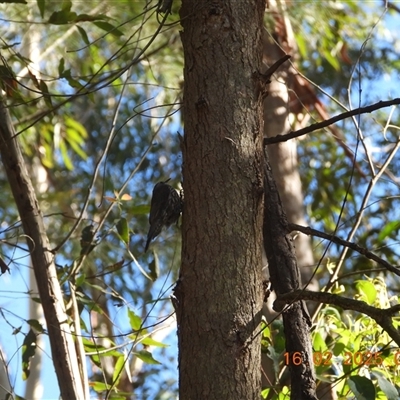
(324, 358)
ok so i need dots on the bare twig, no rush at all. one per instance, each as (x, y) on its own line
(330, 121)
(353, 246)
(362, 208)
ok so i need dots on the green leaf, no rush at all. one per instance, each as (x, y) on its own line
(119, 396)
(151, 342)
(319, 343)
(134, 320)
(46, 95)
(87, 17)
(123, 230)
(106, 26)
(119, 366)
(41, 6)
(338, 348)
(91, 347)
(66, 5)
(301, 44)
(387, 387)
(391, 227)
(72, 81)
(154, 268)
(99, 386)
(28, 351)
(13, 1)
(362, 387)
(77, 131)
(35, 324)
(66, 158)
(368, 290)
(146, 357)
(62, 17)
(83, 34)
(80, 280)
(90, 304)
(75, 135)
(61, 67)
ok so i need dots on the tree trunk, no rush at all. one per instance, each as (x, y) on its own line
(285, 277)
(219, 298)
(61, 340)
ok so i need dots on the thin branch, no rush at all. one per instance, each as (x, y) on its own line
(392, 6)
(109, 141)
(330, 121)
(381, 316)
(335, 239)
(274, 67)
(362, 208)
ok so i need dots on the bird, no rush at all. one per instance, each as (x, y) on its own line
(165, 208)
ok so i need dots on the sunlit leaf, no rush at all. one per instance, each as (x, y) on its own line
(118, 368)
(389, 228)
(134, 320)
(99, 386)
(368, 290)
(146, 357)
(126, 197)
(65, 156)
(151, 342)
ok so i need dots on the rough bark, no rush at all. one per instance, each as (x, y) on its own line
(61, 340)
(285, 277)
(219, 297)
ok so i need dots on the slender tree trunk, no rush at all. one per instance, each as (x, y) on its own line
(285, 277)
(219, 297)
(34, 387)
(61, 340)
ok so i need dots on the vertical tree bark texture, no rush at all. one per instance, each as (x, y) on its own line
(285, 277)
(219, 297)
